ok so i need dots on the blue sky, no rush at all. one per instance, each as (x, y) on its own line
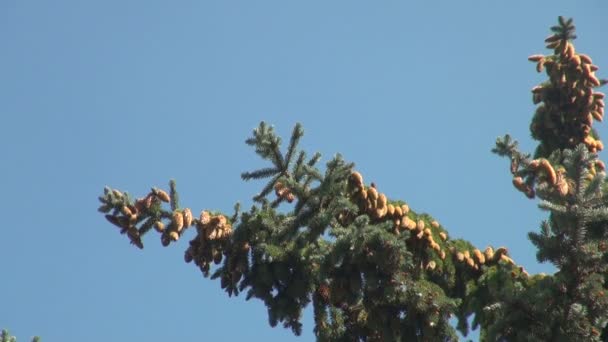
(133, 93)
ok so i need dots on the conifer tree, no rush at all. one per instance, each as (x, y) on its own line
(6, 337)
(374, 269)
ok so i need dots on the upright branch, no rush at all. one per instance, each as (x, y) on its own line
(570, 181)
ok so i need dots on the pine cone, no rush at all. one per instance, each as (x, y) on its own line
(479, 257)
(178, 221)
(159, 226)
(205, 218)
(162, 195)
(187, 214)
(356, 178)
(489, 253)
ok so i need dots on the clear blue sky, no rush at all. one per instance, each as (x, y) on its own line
(133, 93)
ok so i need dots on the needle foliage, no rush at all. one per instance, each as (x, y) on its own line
(374, 269)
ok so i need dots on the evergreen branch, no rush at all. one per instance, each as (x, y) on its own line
(257, 134)
(593, 190)
(538, 241)
(564, 31)
(267, 144)
(173, 195)
(298, 171)
(297, 133)
(557, 208)
(312, 174)
(278, 159)
(578, 161)
(302, 202)
(315, 158)
(505, 146)
(261, 173)
(306, 212)
(237, 212)
(597, 214)
(276, 202)
(147, 225)
(266, 189)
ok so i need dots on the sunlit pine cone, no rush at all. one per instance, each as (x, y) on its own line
(479, 256)
(212, 233)
(125, 210)
(471, 262)
(460, 256)
(159, 226)
(162, 195)
(178, 221)
(204, 219)
(187, 214)
(390, 210)
(519, 184)
(398, 211)
(356, 179)
(372, 195)
(546, 166)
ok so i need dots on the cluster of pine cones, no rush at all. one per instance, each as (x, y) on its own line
(555, 178)
(283, 192)
(209, 244)
(569, 102)
(377, 207)
(544, 171)
(130, 214)
(476, 258)
(206, 247)
(180, 220)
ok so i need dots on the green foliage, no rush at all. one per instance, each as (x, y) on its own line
(563, 31)
(6, 337)
(570, 182)
(376, 270)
